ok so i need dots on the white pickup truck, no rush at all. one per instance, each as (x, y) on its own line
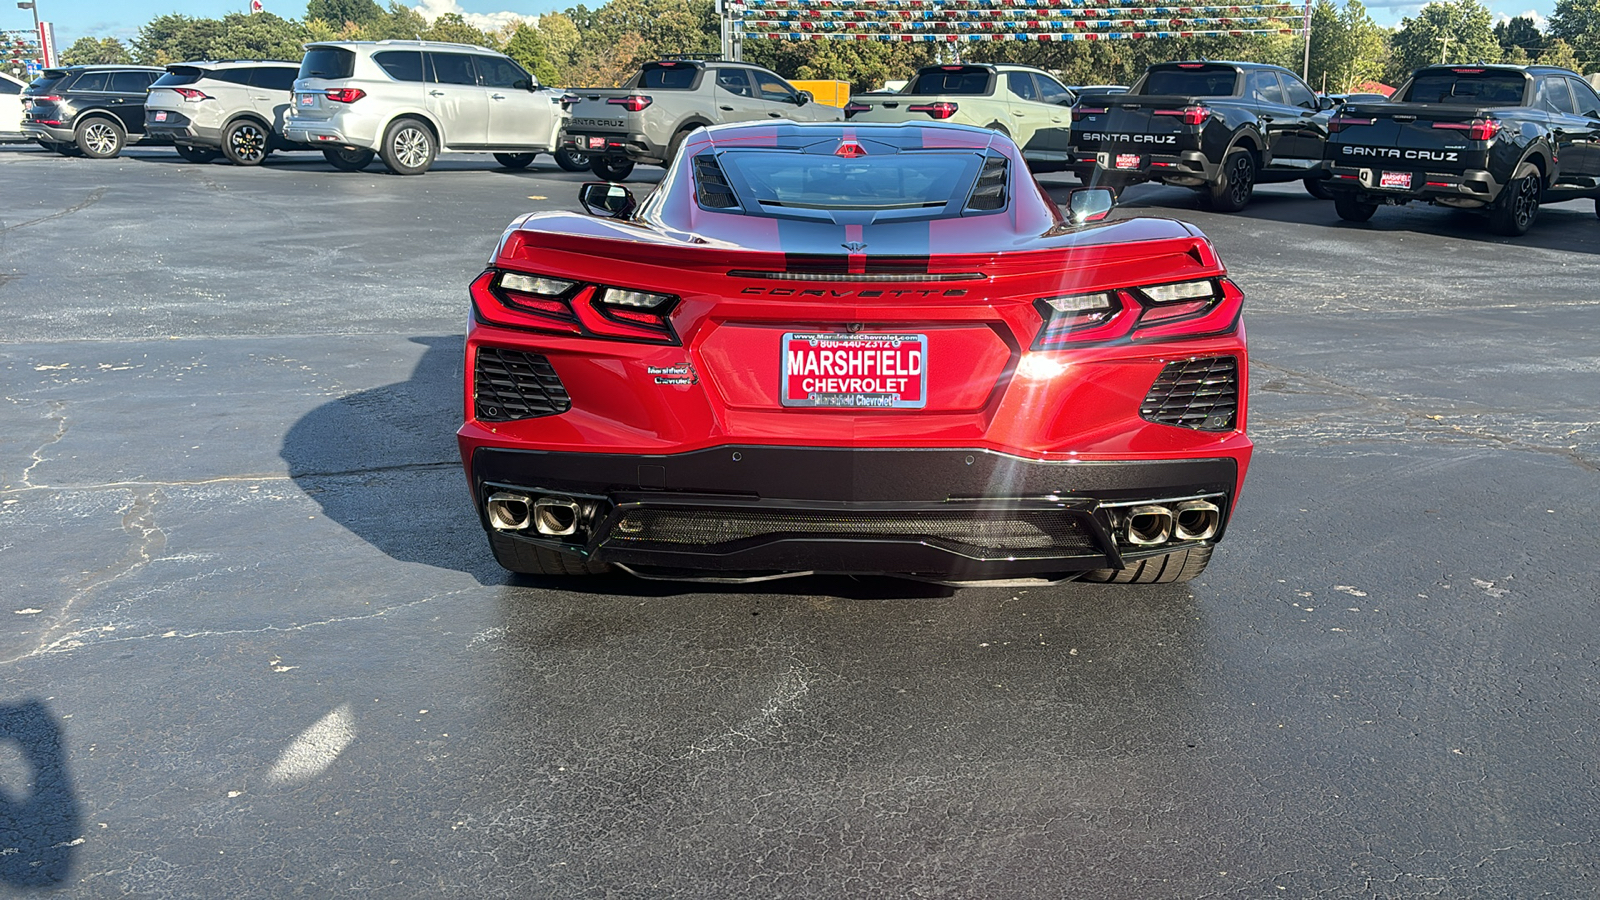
(1029, 105)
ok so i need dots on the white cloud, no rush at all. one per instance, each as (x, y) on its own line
(490, 22)
(1539, 22)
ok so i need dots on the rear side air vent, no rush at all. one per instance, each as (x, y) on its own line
(511, 384)
(990, 191)
(711, 186)
(1201, 393)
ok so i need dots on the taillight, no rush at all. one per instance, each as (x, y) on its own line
(345, 95)
(569, 100)
(631, 103)
(638, 309)
(941, 110)
(1477, 129)
(1186, 309)
(1082, 112)
(1189, 115)
(48, 98)
(546, 303)
(851, 108)
(1340, 123)
(190, 95)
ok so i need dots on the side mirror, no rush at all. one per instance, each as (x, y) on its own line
(1086, 205)
(607, 200)
(1326, 102)
(802, 98)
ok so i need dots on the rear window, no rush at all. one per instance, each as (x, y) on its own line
(178, 76)
(817, 181)
(953, 80)
(1467, 87)
(273, 78)
(402, 65)
(90, 81)
(670, 78)
(44, 83)
(1201, 81)
(328, 62)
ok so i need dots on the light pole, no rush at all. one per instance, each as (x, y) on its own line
(34, 5)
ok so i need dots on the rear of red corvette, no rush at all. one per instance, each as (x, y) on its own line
(699, 410)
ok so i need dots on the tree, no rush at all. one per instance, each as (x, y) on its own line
(1347, 47)
(561, 40)
(526, 46)
(1519, 32)
(1444, 32)
(88, 51)
(338, 12)
(453, 28)
(865, 64)
(258, 36)
(400, 23)
(1578, 23)
(1559, 53)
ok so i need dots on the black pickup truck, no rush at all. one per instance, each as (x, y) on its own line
(1501, 139)
(1218, 127)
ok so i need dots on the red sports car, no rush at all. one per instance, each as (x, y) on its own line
(854, 349)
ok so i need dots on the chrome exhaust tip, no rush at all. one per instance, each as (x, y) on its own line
(1196, 520)
(1148, 525)
(509, 512)
(556, 516)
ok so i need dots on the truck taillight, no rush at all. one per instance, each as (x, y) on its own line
(345, 95)
(851, 108)
(1082, 112)
(631, 103)
(941, 110)
(1477, 129)
(190, 95)
(1340, 123)
(1189, 115)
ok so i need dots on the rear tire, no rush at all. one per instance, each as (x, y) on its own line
(1315, 188)
(100, 138)
(1513, 214)
(611, 169)
(514, 160)
(526, 559)
(1352, 209)
(408, 147)
(246, 142)
(348, 160)
(196, 154)
(1238, 183)
(571, 161)
(1182, 565)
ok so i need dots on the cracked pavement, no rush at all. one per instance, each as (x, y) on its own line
(252, 642)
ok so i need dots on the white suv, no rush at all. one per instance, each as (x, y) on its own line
(235, 108)
(408, 101)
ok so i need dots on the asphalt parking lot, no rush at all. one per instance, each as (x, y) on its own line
(253, 644)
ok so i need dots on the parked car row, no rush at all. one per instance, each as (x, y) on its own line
(401, 101)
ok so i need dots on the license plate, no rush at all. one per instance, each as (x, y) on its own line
(308, 100)
(1401, 180)
(597, 143)
(855, 371)
(161, 117)
(1127, 160)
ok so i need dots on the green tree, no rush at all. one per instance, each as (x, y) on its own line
(1578, 23)
(1444, 32)
(526, 46)
(338, 12)
(1519, 32)
(400, 23)
(258, 36)
(663, 27)
(453, 28)
(561, 41)
(1347, 47)
(865, 64)
(88, 51)
(1559, 53)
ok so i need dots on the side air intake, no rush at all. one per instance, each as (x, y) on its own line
(1201, 393)
(511, 384)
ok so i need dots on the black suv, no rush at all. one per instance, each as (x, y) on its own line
(88, 110)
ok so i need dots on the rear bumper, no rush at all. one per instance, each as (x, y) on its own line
(54, 133)
(950, 514)
(1469, 188)
(1188, 168)
(635, 147)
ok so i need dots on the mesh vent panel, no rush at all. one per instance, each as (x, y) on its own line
(511, 384)
(1014, 530)
(1195, 393)
(711, 186)
(990, 190)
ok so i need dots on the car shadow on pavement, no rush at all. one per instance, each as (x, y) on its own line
(39, 818)
(383, 464)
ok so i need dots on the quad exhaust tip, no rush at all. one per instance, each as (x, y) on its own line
(509, 512)
(556, 516)
(1148, 525)
(548, 516)
(1196, 520)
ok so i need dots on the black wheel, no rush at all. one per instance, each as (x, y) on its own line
(408, 147)
(246, 142)
(610, 169)
(99, 138)
(1513, 214)
(677, 141)
(348, 160)
(1180, 566)
(196, 154)
(1351, 208)
(1315, 188)
(1232, 193)
(571, 161)
(514, 160)
(526, 559)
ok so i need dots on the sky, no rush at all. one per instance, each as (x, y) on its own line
(121, 18)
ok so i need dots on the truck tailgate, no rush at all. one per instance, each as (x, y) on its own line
(1440, 137)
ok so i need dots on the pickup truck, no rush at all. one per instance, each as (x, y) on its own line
(1026, 104)
(1217, 127)
(1501, 139)
(645, 120)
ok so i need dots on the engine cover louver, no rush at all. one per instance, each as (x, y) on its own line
(511, 384)
(711, 186)
(989, 193)
(1202, 394)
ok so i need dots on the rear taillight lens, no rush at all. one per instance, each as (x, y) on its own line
(546, 303)
(941, 110)
(1082, 112)
(47, 98)
(1477, 129)
(632, 102)
(190, 95)
(1189, 115)
(569, 100)
(1340, 123)
(345, 95)
(636, 310)
(850, 109)
(1186, 309)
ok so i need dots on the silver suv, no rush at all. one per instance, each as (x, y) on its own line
(235, 108)
(408, 101)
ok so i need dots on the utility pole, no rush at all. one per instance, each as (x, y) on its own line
(1445, 50)
(1305, 68)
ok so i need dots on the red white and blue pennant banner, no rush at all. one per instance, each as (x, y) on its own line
(952, 21)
